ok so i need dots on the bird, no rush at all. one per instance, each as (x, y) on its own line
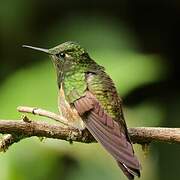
(88, 99)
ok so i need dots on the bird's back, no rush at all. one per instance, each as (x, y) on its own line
(101, 85)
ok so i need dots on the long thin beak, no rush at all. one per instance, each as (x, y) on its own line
(37, 49)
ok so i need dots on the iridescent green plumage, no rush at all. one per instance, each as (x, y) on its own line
(87, 96)
(74, 80)
(92, 93)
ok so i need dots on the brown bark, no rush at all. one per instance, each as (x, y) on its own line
(20, 129)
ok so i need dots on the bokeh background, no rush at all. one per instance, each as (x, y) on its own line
(136, 41)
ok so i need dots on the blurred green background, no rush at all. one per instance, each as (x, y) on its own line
(138, 45)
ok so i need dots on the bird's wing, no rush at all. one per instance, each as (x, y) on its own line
(108, 132)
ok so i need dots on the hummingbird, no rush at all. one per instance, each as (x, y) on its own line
(88, 99)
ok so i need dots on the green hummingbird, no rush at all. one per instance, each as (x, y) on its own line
(88, 99)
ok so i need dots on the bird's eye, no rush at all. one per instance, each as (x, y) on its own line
(61, 55)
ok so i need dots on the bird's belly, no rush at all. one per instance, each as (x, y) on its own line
(69, 112)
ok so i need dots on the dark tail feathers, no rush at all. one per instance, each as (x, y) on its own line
(129, 172)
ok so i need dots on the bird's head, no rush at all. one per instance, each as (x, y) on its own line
(66, 55)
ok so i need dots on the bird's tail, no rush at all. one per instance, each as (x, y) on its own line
(129, 172)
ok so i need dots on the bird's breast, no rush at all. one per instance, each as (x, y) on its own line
(68, 111)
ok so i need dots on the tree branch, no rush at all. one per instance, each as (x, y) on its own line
(7, 140)
(20, 129)
(42, 112)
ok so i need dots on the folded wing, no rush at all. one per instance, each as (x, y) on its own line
(109, 133)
